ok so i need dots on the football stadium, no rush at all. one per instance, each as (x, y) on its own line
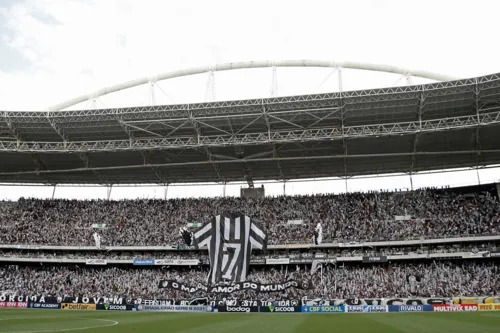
(136, 265)
(260, 253)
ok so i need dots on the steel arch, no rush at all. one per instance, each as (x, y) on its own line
(249, 65)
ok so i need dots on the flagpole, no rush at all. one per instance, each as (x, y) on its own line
(321, 274)
(335, 279)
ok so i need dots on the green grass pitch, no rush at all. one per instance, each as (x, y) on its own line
(37, 321)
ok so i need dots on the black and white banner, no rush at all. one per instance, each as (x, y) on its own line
(390, 301)
(230, 239)
(66, 299)
(230, 288)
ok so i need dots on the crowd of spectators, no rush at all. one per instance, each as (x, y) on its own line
(344, 218)
(432, 279)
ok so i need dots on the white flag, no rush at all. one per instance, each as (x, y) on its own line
(97, 240)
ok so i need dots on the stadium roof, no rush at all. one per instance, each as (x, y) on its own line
(402, 129)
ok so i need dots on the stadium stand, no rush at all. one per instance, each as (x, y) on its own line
(435, 279)
(349, 217)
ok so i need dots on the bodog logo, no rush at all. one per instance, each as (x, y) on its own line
(238, 309)
(71, 306)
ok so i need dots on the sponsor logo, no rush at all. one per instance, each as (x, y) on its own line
(281, 309)
(356, 309)
(71, 306)
(378, 308)
(411, 308)
(372, 259)
(174, 308)
(115, 307)
(44, 306)
(96, 262)
(488, 307)
(16, 305)
(144, 262)
(279, 261)
(177, 262)
(237, 309)
(323, 309)
(455, 308)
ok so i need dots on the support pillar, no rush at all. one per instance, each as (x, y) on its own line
(54, 191)
(165, 192)
(108, 191)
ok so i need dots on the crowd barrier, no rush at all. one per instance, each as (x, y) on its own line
(255, 309)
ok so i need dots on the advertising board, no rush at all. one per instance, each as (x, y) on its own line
(488, 307)
(174, 308)
(366, 308)
(411, 308)
(13, 305)
(454, 307)
(48, 306)
(239, 308)
(280, 309)
(77, 306)
(324, 309)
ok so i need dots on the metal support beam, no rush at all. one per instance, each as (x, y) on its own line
(37, 160)
(342, 120)
(252, 64)
(247, 172)
(165, 192)
(152, 92)
(210, 91)
(255, 160)
(274, 82)
(54, 191)
(88, 165)
(420, 108)
(146, 155)
(35, 157)
(280, 168)
(125, 128)
(58, 130)
(478, 139)
(109, 188)
(198, 132)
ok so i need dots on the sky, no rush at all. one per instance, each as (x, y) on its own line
(53, 50)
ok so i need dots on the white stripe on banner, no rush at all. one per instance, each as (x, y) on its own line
(245, 244)
(217, 253)
(237, 228)
(227, 231)
(205, 242)
(258, 231)
(201, 232)
(255, 243)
